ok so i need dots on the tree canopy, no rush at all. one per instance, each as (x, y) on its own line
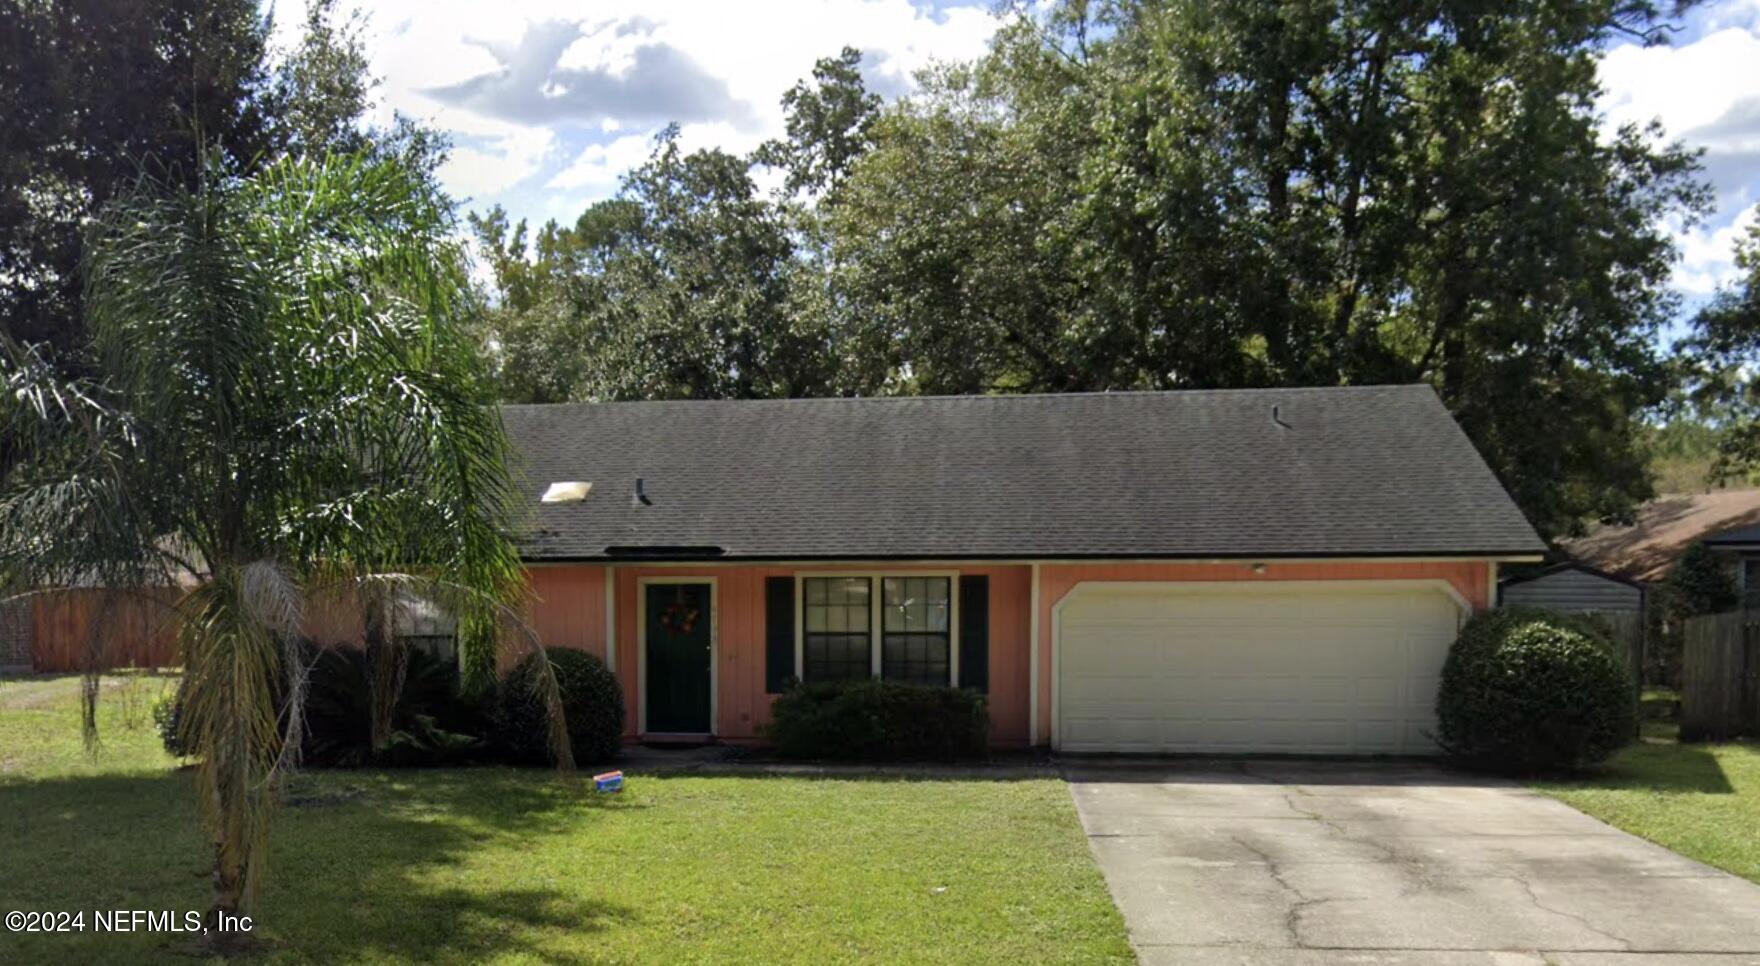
(95, 94)
(1126, 195)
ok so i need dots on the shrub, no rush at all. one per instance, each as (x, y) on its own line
(878, 721)
(431, 724)
(168, 720)
(1698, 583)
(1531, 691)
(592, 704)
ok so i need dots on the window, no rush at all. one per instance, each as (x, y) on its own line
(837, 628)
(424, 626)
(915, 642)
(910, 638)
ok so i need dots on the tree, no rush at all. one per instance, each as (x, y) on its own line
(285, 404)
(93, 94)
(678, 288)
(828, 122)
(90, 92)
(1698, 583)
(1132, 195)
(1724, 349)
(317, 96)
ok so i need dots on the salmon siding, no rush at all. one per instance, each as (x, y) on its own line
(570, 606)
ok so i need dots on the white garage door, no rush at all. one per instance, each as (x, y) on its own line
(1300, 667)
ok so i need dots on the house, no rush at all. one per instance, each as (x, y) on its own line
(1206, 571)
(1573, 588)
(1739, 547)
(1645, 549)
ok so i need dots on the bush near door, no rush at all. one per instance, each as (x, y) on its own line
(1532, 691)
(879, 721)
(592, 703)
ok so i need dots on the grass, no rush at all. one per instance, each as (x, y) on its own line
(506, 865)
(1702, 801)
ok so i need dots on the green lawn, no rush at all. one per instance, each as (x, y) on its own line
(1702, 801)
(503, 865)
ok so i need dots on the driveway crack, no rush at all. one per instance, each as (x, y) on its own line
(1292, 917)
(1534, 899)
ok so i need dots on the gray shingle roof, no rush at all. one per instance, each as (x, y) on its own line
(1371, 471)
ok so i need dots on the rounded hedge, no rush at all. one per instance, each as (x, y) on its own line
(1531, 691)
(592, 704)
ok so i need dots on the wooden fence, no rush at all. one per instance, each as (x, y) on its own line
(126, 629)
(1720, 677)
(1626, 634)
(135, 629)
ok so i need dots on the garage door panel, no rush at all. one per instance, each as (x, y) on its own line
(1267, 668)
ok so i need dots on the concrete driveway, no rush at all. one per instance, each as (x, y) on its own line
(1318, 863)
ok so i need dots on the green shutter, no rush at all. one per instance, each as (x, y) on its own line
(974, 633)
(778, 632)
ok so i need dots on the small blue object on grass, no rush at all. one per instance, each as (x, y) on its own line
(611, 781)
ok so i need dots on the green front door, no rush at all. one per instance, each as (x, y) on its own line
(679, 624)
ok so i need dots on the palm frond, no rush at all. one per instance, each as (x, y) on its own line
(287, 391)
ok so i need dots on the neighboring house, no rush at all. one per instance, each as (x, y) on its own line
(1740, 548)
(1243, 571)
(1573, 588)
(1663, 529)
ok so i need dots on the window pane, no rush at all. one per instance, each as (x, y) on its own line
(917, 658)
(836, 644)
(916, 604)
(836, 657)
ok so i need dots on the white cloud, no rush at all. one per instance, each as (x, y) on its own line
(512, 81)
(1706, 92)
(599, 167)
(1708, 254)
(490, 159)
(1687, 87)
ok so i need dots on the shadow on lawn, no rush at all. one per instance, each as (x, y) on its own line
(364, 865)
(1659, 766)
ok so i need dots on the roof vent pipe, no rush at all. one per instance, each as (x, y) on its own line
(640, 496)
(1277, 417)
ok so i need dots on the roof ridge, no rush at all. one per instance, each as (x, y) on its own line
(987, 397)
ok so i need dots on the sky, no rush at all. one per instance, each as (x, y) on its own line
(548, 102)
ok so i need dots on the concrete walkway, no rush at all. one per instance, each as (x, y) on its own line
(1318, 863)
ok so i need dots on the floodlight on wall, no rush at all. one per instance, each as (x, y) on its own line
(570, 491)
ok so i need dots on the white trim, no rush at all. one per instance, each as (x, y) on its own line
(875, 592)
(1493, 595)
(642, 649)
(1033, 660)
(611, 619)
(943, 562)
(1201, 586)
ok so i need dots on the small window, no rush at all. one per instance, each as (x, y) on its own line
(916, 644)
(423, 626)
(837, 629)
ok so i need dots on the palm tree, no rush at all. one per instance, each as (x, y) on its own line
(282, 403)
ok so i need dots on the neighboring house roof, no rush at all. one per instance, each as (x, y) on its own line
(1573, 588)
(1738, 538)
(1369, 471)
(1665, 527)
(1568, 566)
